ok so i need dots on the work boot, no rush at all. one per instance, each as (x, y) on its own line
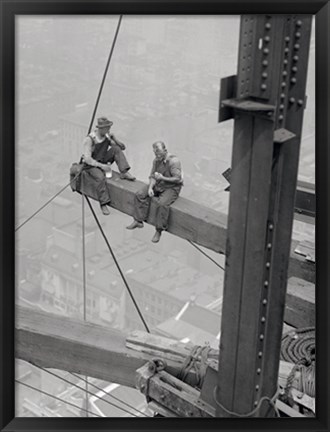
(127, 176)
(135, 224)
(105, 209)
(156, 237)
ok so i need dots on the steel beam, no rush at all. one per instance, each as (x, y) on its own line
(272, 70)
(192, 221)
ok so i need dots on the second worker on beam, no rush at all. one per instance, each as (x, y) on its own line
(165, 183)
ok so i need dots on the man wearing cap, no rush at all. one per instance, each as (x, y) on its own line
(165, 183)
(101, 149)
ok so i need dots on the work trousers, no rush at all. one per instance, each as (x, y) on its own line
(96, 176)
(163, 200)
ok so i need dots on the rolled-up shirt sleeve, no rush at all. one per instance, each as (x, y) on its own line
(175, 168)
(87, 156)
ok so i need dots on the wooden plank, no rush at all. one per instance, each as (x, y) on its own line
(305, 199)
(53, 341)
(192, 221)
(284, 372)
(287, 328)
(300, 303)
(287, 410)
(303, 399)
(161, 346)
(299, 266)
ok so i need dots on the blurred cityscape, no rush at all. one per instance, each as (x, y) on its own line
(163, 83)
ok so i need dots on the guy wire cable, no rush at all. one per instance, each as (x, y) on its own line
(84, 283)
(118, 266)
(90, 128)
(110, 395)
(82, 197)
(205, 254)
(81, 388)
(55, 397)
(46, 203)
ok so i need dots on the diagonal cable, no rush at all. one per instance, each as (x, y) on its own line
(105, 73)
(84, 277)
(46, 203)
(110, 395)
(118, 266)
(82, 389)
(205, 254)
(89, 129)
(82, 198)
(55, 397)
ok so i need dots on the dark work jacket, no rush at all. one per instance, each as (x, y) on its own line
(100, 149)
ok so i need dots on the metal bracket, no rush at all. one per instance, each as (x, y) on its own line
(228, 86)
(251, 107)
(169, 394)
(248, 105)
(283, 135)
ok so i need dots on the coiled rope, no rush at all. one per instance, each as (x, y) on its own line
(298, 347)
(196, 360)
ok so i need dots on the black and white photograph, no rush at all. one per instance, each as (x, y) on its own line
(165, 170)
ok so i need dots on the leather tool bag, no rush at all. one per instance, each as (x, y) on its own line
(75, 170)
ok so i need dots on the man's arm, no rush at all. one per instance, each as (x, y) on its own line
(87, 156)
(152, 180)
(175, 171)
(116, 140)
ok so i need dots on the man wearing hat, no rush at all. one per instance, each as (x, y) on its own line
(101, 149)
(165, 183)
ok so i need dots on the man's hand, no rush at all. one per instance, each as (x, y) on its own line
(120, 144)
(106, 168)
(151, 192)
(158, 176)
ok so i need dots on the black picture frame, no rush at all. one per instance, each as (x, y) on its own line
(11, 8)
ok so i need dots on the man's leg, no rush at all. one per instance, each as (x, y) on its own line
(97, 179)
(115, 154)
(163, 203)
(141, 207)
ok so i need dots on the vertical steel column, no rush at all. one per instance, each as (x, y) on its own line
(272, 71)
(291, 104)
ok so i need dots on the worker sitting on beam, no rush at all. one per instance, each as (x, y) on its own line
(101, 149)
(165, 182)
